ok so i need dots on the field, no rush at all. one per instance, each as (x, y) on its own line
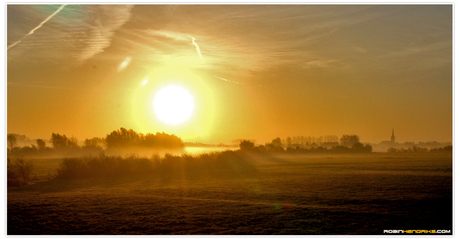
(280, 194)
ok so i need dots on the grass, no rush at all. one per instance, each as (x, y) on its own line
(289, 195)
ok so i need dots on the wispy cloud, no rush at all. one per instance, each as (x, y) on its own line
(75, 35)
(37, 27)
(178, 36)
(319, 63)
(107, 19)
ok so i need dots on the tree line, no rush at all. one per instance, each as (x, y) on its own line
(348, 144)
(415, 149)
(117, 139)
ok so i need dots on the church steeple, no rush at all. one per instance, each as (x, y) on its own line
(393, 136)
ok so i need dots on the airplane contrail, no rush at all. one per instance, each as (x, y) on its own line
(197, 47)
(37, 27)
(235, 82)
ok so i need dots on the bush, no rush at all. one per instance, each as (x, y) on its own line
(247, 145)
(170, 166)
(104, 167)
(18, 172)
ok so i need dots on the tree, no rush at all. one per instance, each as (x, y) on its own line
(24, 169)
(59, 141)
(41, 144)
(358, 146)
(72, 142)
(277, 143)
(288, 141)
(349, 140)
(122, 138)
(246, 145)
(368, 148)
(93, 142)
(11, 138)
(62, 142)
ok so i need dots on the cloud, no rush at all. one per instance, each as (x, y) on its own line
(73, 36)
(37, 27)
(319, 63)
(106, 20)
(172, 35)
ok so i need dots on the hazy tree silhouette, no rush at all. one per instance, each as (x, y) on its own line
(24, 169)
(123, 138)
(18, 171)
(41, 144)
(359, 147)
(246, 145)
(277, 142)
(275, 145)
(349, 140)
(288, 141)
(12, 140)
(58, 141)
(62, 142)
(93, 143)
(164, 140)
(368, 148)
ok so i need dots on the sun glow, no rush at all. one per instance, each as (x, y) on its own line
(173, 104)
(198, 100)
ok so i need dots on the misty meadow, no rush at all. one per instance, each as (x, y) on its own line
(251, 190)
(209, 119)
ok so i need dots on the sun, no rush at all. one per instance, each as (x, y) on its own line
(173, 104)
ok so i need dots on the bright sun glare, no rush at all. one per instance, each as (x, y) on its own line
(173, 104)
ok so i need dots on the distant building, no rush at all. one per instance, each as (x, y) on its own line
(393, 136)
(392, 141)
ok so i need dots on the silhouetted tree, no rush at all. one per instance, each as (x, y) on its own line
(41, 144)
(358, 146)
(24, 169)
(246, 145)
(275, 145)
(59, 141)
(288, 141)
(368, 148)
(11, 138)
(122, 138)
(93, 145)
(349, 140)
(277, 142)
(163, 140)
(72, 142)
(129, 138)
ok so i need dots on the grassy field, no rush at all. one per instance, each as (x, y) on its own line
(297, 194)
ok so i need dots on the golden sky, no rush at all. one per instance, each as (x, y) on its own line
(254, 71)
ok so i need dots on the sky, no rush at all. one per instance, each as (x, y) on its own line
(254, 71)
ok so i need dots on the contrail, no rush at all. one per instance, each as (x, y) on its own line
(235, 82)
(197, 47)
(37, 27)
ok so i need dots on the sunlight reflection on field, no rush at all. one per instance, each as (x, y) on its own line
(203, 150)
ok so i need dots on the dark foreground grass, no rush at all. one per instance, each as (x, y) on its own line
(280, 195)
